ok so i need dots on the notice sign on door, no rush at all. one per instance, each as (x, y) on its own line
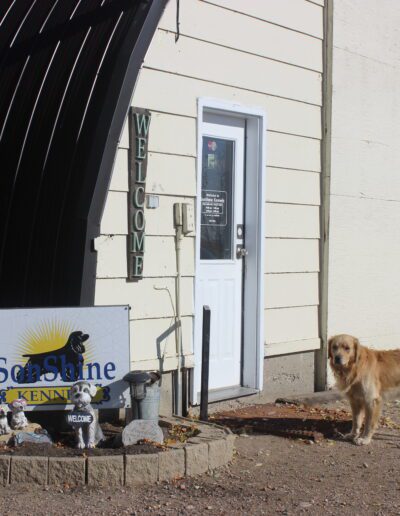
(213, 208)
(43, 352)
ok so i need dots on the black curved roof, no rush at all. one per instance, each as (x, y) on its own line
(67, 73)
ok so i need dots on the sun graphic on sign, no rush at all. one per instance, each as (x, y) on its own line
(48, 336)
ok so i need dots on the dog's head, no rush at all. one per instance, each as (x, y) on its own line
(82, 394)
(76, 340)
(343, 351)
(3, 410)
(17, 405)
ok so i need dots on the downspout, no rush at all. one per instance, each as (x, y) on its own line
(321, 356)
(178, 322)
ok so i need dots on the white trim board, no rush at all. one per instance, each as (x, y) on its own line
(253, 334)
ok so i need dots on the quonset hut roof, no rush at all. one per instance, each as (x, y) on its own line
(67, 73)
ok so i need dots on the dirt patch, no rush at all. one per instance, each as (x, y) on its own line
(269, 475)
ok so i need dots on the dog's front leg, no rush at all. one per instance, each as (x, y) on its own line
(372, 413)
(80, 443)
(358, 415)
(92, 434)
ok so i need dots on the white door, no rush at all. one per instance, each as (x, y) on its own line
(219, 272)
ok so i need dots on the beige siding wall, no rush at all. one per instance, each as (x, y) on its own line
(364, 272)
(275, 64)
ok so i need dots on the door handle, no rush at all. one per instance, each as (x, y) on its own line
(241, 252)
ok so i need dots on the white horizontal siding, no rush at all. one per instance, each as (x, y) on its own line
(354, 26)
(168, 134)
(171, 175)
(159, 221)
(364, 248)
(364, 288)
(276, 65)
(167, 174)
(232, 68)
(287, 116)
(300, 15)
(291, 221)
(292, 186)
(291, 324)
(170, 363)
(154, 338)
(119, 178)
(264, 39)
(150, 298)
(286, 290)
(295, 346)
(291, 255)
(115, 216)
(112, 256)
(288, 151)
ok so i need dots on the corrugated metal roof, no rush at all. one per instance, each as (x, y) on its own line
(67, 72)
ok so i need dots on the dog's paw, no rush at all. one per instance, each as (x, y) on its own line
(91, 445)
(349, 437)
(362, 441)
(80, 446)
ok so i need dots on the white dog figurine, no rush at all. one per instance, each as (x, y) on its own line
(81, 395)
(4, 428)
(18, 418)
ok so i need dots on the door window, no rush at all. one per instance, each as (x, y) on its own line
(216, 199)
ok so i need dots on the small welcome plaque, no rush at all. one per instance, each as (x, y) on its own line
(79, 418)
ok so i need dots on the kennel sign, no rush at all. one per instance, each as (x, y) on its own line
(44, 351)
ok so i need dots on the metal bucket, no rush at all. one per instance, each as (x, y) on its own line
(148, 407)
(145, 394)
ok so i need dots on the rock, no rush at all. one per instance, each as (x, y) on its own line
(41, 437)
(30, 428)
(140, 429)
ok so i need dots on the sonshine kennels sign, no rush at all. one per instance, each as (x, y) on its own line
(44, 351)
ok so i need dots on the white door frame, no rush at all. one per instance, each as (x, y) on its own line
(253, 303)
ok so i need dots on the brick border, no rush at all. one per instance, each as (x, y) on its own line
(211, 449)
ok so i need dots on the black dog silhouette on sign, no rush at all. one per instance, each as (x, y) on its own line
(66, 361)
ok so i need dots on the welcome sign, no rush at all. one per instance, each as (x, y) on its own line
(44, 351)
(139, 123)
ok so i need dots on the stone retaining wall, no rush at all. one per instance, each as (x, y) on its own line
(211, 449)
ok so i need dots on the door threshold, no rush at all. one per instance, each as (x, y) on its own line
(228, 393)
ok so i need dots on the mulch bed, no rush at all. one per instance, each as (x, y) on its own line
(64, 444)
(287, 420)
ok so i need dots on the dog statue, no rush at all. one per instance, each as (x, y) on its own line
(68, 360)
(18, 418)
(87, 436)
(4, 428)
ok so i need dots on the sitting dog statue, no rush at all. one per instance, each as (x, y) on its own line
(4, 428)
(18, 418)
(89, 435)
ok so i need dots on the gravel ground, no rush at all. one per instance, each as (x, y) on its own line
(269, 475)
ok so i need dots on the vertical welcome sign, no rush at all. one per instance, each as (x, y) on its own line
(139, 123)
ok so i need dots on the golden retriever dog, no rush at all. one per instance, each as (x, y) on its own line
(363, 375)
